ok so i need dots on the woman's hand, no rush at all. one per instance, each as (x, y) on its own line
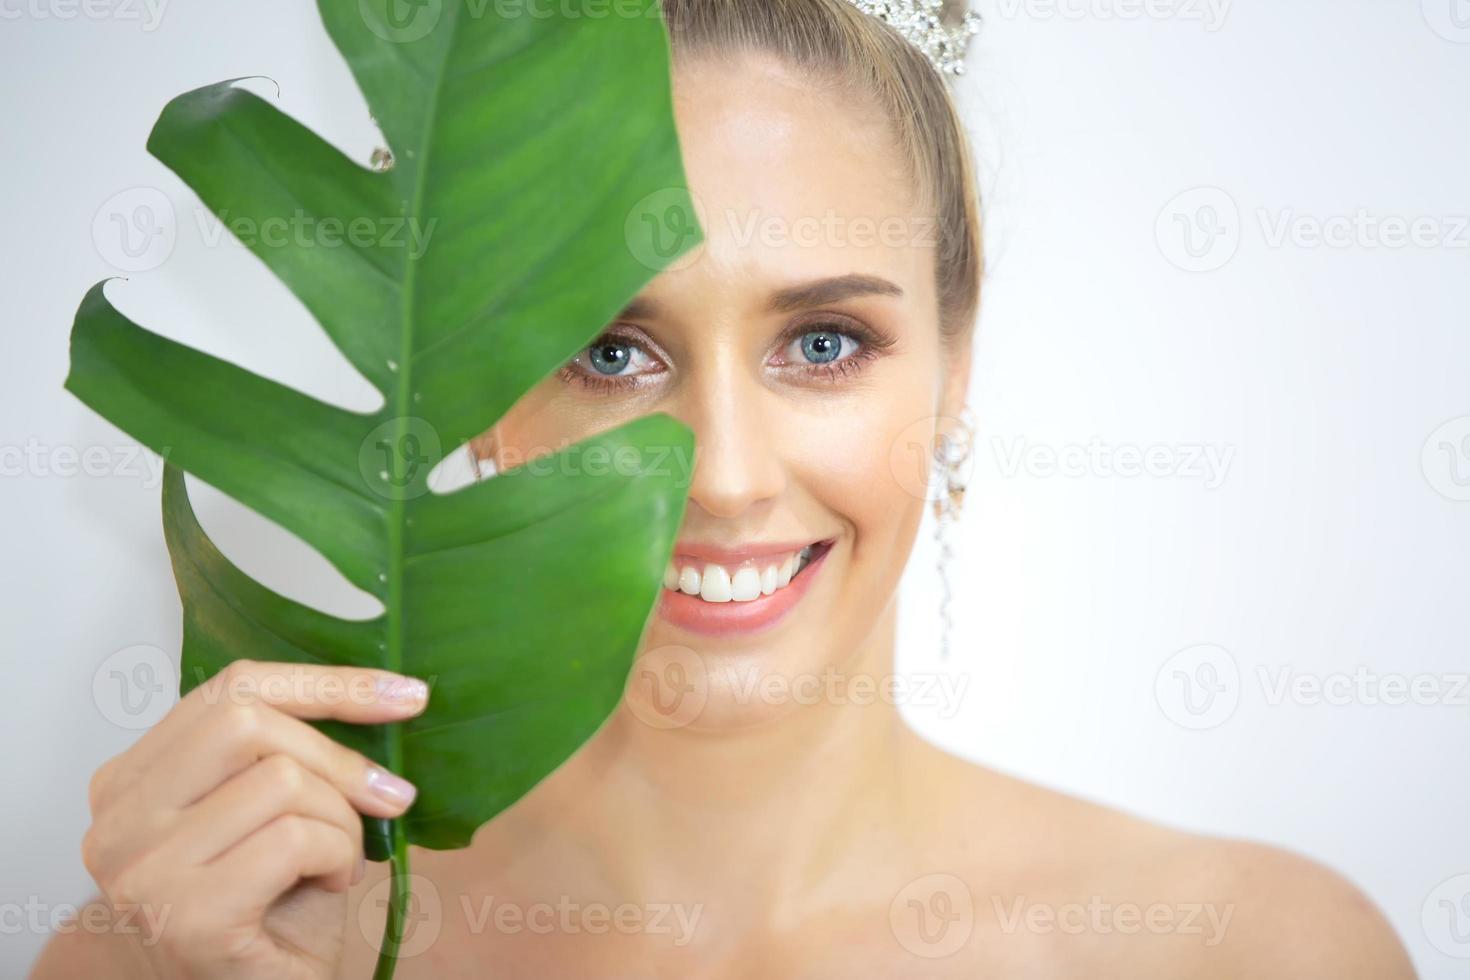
(233, 825)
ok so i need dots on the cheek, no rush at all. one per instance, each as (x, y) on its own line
(539, 424)
(866, 458)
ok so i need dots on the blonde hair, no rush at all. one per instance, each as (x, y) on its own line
(833, 41)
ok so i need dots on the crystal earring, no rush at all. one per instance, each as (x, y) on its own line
(952, 458)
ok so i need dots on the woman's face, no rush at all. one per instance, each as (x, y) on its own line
(800, 342)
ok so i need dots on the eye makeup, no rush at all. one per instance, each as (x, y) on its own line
(859, 346)
(869, 344)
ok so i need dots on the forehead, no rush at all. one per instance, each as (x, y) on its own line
(793, 180)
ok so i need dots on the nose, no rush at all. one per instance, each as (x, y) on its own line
(737, 457)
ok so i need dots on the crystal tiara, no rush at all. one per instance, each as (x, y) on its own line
(920, 24)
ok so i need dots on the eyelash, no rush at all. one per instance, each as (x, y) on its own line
(871, 345)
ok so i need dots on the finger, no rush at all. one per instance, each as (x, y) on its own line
(118, 837)
(246, 802)
(357, 695)
(235, 738)
(275, 786)
(258, 870)
(354, 695)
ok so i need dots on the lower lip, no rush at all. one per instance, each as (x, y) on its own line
(692, 613)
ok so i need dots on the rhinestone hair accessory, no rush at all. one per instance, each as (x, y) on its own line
(921, 24)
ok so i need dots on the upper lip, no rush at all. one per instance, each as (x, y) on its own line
(722, 555)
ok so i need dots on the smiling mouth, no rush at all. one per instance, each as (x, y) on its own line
(747, 581)
(711, 597)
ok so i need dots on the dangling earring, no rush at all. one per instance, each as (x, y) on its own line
(951, 456)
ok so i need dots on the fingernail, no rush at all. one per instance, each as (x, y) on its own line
(391, 787)
(393, 689)
(361, 869)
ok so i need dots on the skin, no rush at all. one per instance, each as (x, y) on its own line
(795, 839)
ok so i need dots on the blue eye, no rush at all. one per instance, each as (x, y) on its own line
(609, 358)
(614, 356)
(825, 346)
(612, 361)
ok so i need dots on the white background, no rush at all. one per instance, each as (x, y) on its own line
(1331, 383)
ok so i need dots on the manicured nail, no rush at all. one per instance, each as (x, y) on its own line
(391, 787)
(393, 689)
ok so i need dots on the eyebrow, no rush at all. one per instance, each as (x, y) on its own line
(819, 292)
(814, 292)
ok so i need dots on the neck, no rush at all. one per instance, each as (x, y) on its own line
(756, 816)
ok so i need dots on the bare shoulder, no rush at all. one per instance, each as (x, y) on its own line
(1098, 881)
(1291, 916)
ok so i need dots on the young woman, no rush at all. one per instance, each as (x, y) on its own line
(726, 823)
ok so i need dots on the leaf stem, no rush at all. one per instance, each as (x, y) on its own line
(399, 892)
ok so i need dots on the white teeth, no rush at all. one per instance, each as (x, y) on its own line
(746, 585)
(689, 581)
(714, 584)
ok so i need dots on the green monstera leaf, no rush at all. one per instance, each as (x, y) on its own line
(535, 185)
